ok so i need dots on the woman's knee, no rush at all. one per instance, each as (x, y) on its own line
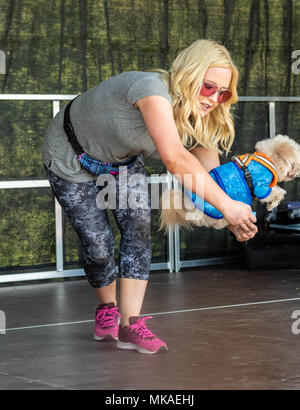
(135, 223)
(99, 248)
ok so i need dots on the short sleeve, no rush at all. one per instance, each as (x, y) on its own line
(261, 182)
(262, 191)
(145, 87)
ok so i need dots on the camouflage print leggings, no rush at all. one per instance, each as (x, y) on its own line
(91, 223)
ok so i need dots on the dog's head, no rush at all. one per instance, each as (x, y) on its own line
(285, 154)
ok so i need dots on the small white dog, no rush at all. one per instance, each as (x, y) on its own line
(275, 159)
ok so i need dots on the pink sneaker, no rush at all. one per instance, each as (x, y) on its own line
(137, 336)
(107, 319)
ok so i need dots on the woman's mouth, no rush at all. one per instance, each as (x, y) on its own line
(205, 107)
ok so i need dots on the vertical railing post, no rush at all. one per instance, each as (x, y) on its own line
(58, 218)
(176, 236)
(272, 120)
(171, 232)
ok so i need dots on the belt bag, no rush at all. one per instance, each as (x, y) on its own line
(93, 166)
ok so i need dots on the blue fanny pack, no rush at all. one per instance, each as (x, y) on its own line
(93, 166)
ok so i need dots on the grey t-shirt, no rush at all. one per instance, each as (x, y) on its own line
(107, 125)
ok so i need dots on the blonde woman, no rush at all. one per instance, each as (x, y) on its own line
(181, 117)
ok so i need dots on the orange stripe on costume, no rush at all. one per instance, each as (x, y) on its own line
(262, 159)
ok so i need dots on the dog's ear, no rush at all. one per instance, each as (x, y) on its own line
(284, 153)
(294, 171)
(283, 157)
(296, 165)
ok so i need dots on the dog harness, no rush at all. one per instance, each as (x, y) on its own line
(231, 178)
(262, 159)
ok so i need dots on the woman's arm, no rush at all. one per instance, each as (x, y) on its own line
(158, 116)
(208, 158)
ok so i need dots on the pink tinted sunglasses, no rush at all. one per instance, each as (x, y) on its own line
(208, 89)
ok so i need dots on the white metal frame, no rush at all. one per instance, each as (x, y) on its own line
(173, 262)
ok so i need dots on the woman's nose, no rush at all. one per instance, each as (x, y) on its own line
(214, 97)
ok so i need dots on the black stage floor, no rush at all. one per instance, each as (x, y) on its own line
(225, 329)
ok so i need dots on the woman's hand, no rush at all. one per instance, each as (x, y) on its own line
(243, 234)
(238, 214)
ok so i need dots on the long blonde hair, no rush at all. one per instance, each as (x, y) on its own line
(184, 81)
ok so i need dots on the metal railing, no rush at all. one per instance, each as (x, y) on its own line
(174, 262)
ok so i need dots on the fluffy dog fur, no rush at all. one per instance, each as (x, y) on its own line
(285, 155)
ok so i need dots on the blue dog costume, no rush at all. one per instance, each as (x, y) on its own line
(231, 178)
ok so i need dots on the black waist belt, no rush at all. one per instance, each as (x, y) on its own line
(69, 130)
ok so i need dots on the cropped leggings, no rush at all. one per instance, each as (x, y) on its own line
(91, 223)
